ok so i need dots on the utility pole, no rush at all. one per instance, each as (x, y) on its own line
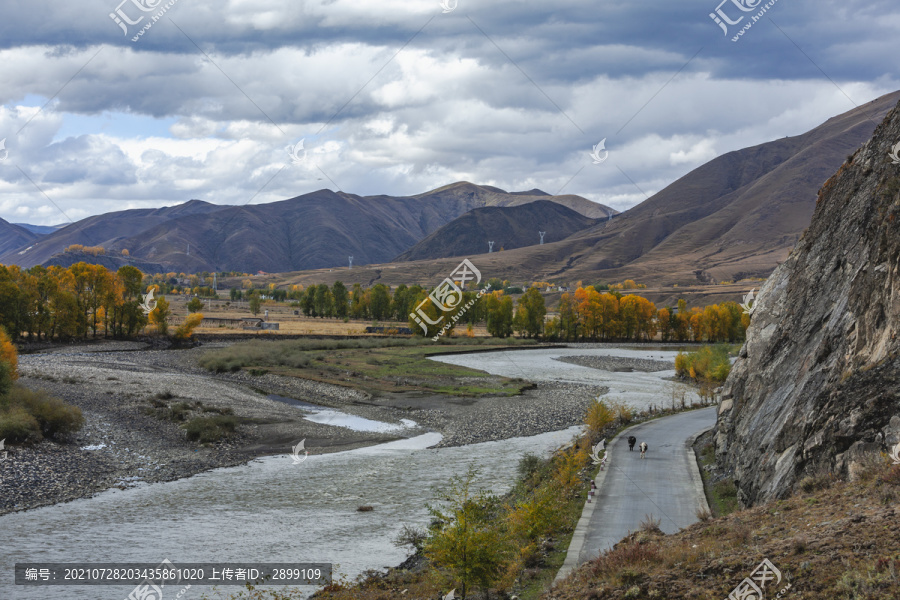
(542, 235)
(490, 247)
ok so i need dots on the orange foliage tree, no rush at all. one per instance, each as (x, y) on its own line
(591, 315)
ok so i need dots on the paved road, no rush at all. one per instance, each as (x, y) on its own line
(663, 484)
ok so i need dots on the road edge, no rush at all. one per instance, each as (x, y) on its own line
(696, 477)
(580, 533)
(576, 544)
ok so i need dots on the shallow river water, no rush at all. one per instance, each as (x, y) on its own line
(638, 389)
(270, 510)
(273, 510)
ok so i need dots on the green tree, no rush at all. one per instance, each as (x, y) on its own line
(324, 301)
(499, 315)
(400, 303)
(254, 303)
(341, 299)
(380, 302)
(530, 312)
(196, 305)
(358, 307)
(308, 302)
(466, 543)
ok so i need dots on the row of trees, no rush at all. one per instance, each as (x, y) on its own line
(591, 315)
(56, 302)
(84, 299)
(378, 303)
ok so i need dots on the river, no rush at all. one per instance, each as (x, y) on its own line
(273, 510)
(636, 388)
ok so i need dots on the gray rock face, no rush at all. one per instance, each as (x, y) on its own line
(817, 386)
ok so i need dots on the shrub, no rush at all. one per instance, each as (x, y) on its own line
(599, 416)
(708, 363)
(17, 426)
(186, 329)
(528, 465)
(179, 411)
(52, 414)
(210, 429)
(6, 379)
(195, 305)
(817, 482)
(892, 477)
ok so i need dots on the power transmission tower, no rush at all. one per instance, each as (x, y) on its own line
(542, 235)
(351, 261)
(490, 247)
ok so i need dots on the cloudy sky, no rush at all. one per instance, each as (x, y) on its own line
(399, 97)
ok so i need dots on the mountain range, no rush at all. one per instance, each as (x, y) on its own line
(316, 230)
(734, 217)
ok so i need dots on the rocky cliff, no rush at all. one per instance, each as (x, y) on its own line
(816, 389)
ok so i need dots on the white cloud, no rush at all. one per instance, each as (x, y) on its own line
(449, 107)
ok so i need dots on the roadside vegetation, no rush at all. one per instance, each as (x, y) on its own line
(707, 364)
(371, 364)
(26, 415)
(829, 539)
(721, 493)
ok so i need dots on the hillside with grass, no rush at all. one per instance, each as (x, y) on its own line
(830, 539)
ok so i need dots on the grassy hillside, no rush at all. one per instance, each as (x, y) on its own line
(831, 539)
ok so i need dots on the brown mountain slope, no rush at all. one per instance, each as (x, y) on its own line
(316, 230)
(477, 196)
(738, 215)
(508, 227)
(13, 237)
(110, 230)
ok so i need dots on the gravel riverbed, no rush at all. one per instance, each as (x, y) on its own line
(121, 446)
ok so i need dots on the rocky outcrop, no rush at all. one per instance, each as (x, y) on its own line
(817, 386)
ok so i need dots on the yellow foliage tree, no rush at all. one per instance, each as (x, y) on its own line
(186, 329)
(8, 354)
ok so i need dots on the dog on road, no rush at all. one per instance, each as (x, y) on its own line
(631, 442)
(643, 449)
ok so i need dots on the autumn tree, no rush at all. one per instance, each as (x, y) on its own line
(159, 316)
(186, 329)
(9, 362)
(465, 543)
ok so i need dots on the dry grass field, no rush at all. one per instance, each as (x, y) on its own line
(288, 322)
